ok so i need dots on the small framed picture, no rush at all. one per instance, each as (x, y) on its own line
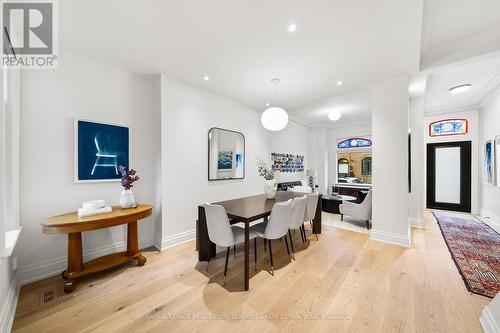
(99, 149)
(489, 162)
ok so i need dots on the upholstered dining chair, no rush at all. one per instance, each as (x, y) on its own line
(361, 211)
(300, 188)
(223, 234)
(276, 227)
(312, 203)
(297, 219)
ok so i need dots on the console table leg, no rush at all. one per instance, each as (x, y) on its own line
(75, 260)
(133, 243)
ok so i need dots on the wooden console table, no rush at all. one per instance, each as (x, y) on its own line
(72, 225)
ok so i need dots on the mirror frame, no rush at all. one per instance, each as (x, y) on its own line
(208, 155)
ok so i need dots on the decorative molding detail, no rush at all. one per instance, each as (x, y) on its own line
(416, 222)
(436, 112)
(183, 237)
(488, 322)
(9, 306)
(53, 267)
(388, 237)
(490, 219)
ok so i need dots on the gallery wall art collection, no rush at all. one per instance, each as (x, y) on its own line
(283, 162)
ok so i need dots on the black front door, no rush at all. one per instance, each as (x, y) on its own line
(449, 176)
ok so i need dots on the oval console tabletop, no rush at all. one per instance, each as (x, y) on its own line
(73, 225)
(68, 223)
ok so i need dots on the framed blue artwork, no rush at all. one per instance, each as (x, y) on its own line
(489, 162)
(99, 149)
(225, 161)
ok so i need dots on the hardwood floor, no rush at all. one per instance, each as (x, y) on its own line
(343, 283)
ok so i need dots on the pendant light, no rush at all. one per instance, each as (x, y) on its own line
(274, 118)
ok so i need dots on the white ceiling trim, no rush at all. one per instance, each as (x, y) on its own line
(466, 48)
(474, 107)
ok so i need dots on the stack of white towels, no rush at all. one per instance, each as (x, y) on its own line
(94, 207)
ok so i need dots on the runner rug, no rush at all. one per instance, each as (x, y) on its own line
(475, 248)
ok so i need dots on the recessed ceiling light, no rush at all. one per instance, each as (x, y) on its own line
(292, 27)
(339, 83)
(267, 104)
(460, 89)
(334, 115)
(206, 78)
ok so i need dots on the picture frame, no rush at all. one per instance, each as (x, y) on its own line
(489, 162)
(99, 148)
(497, 159)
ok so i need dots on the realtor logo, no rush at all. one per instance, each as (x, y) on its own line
(29, 34)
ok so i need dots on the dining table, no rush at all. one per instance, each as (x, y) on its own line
(246, 210)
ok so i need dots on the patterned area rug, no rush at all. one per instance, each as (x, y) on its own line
(475, 247)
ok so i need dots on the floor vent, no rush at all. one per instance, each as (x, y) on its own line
(48, 296)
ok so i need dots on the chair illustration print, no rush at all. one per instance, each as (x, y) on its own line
(105, 157)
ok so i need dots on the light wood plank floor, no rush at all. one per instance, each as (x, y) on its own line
(343, 283)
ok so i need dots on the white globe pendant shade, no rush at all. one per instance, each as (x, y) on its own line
(274, 119)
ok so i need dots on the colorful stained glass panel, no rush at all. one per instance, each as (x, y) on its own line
(449, 127)
(354, 143)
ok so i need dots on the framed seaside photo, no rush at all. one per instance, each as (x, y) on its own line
(489, 162)
(99, 149)
(225, 161)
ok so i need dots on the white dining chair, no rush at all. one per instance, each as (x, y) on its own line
(361, 211)
(276, 227)
(223, 234)
(310, 213)
(301, 189)
(297, 219)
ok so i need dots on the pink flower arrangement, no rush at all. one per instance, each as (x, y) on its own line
(128, 177)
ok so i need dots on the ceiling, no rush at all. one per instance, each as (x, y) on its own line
(241, 45)
(483, 75)
(355, 108)
(455, 30)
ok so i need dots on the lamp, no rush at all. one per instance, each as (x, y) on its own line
(310, 176)
(274, 118)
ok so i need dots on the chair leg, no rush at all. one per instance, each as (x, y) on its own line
(225, 267)
(234, 251)
(291, 243)
(265, 245)
(287, 249)
(271, 256)
(255, 252)
(304, 233)
(209, 255)
(341, 217)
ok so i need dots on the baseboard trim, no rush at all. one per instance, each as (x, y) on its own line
(488, 322)
(9, 307)
(177, 239)
(388, 237)
(416, 222)
(490, 219)
(53, 267)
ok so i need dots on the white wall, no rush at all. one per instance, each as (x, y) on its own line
(390, 161)
(416, 197)
(187, 115)
(472, 135)
(80, 87)
(489, 128)
(292, 140)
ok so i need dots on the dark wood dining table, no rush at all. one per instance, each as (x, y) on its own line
(246, 210)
